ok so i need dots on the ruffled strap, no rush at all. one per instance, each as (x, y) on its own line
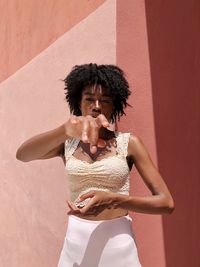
(70, 147)
(122, 143)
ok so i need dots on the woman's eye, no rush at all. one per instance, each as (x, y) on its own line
(89, 99)
(106, 101)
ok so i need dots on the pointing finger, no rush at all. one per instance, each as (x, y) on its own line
(101, 119)
(85, 130)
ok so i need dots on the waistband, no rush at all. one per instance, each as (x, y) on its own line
(73, 217)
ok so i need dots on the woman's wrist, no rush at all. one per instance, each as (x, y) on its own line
(120, 200)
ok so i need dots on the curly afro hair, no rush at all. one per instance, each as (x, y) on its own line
(110, 77)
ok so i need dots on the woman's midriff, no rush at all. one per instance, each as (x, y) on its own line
(106, 214)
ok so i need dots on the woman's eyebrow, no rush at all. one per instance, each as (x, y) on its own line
(92, 94)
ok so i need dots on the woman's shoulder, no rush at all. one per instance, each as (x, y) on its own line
(133, 141)
(71, 141)
(136, 146)
(131, 136)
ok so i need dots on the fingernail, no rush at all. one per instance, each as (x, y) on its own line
(110, 128)
(93, 149)
(85, 137)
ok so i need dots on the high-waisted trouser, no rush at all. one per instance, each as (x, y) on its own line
(99, 243)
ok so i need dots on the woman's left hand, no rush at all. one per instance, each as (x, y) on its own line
(99, 200)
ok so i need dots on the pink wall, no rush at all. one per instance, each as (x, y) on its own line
(158, 47)
(28, 27)
(133, 57)
(33, 215)
(174, 51)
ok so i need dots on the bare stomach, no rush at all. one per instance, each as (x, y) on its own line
(106, 214)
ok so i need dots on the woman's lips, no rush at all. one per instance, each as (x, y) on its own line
(95, 115)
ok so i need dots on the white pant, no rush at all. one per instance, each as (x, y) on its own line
(99, 243)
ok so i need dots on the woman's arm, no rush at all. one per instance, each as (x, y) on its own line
(42, 146)
(161, 200)
(50, 144)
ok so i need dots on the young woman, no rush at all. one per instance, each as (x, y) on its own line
(98, 161)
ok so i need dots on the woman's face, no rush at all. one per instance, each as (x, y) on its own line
(96, 100)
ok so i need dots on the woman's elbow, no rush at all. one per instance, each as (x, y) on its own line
(169, 205)
(19, 156)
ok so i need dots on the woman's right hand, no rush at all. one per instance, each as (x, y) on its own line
(86, 128)
(50, 144)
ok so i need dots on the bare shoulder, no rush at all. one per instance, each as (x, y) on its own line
(134, 139)
(136, 147)
(135, 143)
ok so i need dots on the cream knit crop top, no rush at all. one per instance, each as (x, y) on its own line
(107, 174)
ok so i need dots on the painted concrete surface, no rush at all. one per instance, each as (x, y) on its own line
(29, 27)
(160, 55)
(133, 57)
(33, 216)
(174, 60)
(160, 71)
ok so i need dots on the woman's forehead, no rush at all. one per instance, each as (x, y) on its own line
(96, 89)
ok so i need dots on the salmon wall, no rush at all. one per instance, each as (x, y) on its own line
(174, 53)
(34, 214)
(156, 44)
(133, 57)
(158, 47)
(29, 27)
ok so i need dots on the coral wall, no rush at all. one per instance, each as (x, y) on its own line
(157, 44)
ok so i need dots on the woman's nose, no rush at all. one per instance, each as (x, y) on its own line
(97, 105)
